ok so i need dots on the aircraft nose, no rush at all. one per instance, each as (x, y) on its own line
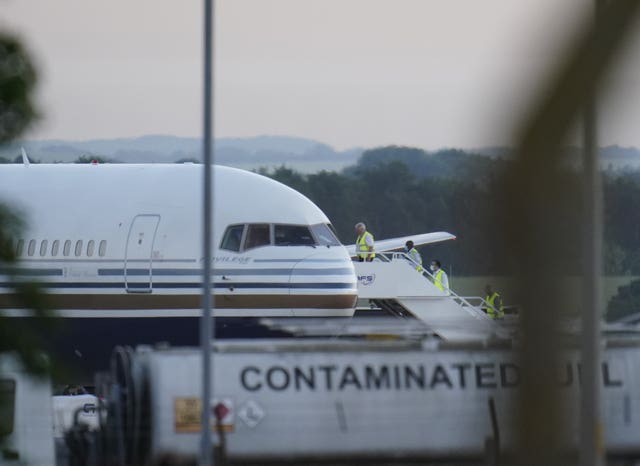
(323, 282)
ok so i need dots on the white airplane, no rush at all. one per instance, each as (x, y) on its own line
(120, 249)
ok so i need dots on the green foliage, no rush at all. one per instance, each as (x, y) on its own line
(615, 259)
(17, 81)
(92, 158)
(18, 159)
(188, 160)
(401, 191)
(287, 176)
(389, 191)
(622, 225)
(626, 302)
(445, 163)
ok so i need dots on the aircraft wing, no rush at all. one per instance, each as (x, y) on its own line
(395, 244)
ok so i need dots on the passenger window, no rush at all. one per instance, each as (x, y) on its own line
(102, 249)
(90, 247)
(232, 238)
(257, 235)
(8, 406)
(325, 235)
(54, 248)
(66, 250)
(32, 247)
(78, 250)
(20, 248)
(43, 247)
(293, 235)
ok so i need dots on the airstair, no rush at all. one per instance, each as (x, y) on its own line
(392, 283)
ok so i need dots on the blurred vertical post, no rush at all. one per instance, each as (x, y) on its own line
(536, 198)
(591, 427)
(206, 322)
(534, 188)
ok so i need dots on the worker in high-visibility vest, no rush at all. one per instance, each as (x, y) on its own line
(364, 243)
(495, 308)
(440, 278)
(414, 255)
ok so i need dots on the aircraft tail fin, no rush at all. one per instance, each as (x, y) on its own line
(25, 159)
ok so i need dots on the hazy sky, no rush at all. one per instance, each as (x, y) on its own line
(429, 73)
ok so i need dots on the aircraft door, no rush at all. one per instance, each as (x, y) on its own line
(138, 268)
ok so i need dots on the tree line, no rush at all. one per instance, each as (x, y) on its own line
(401, 191)
(81, 159)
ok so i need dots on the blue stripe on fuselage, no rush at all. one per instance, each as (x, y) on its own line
(103, 285)
(197, 272)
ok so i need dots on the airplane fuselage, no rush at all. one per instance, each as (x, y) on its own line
(119, 248)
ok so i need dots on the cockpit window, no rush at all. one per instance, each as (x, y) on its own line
(232, 238)
(293, 235)
(249, 236)
(257, 235)
(325, 235)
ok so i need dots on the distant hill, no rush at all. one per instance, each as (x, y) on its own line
(243, 152)
(300, 154)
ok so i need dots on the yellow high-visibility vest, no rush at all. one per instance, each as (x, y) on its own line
(415, 257)
(437, 280)
(491, 307)
(363, 248)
